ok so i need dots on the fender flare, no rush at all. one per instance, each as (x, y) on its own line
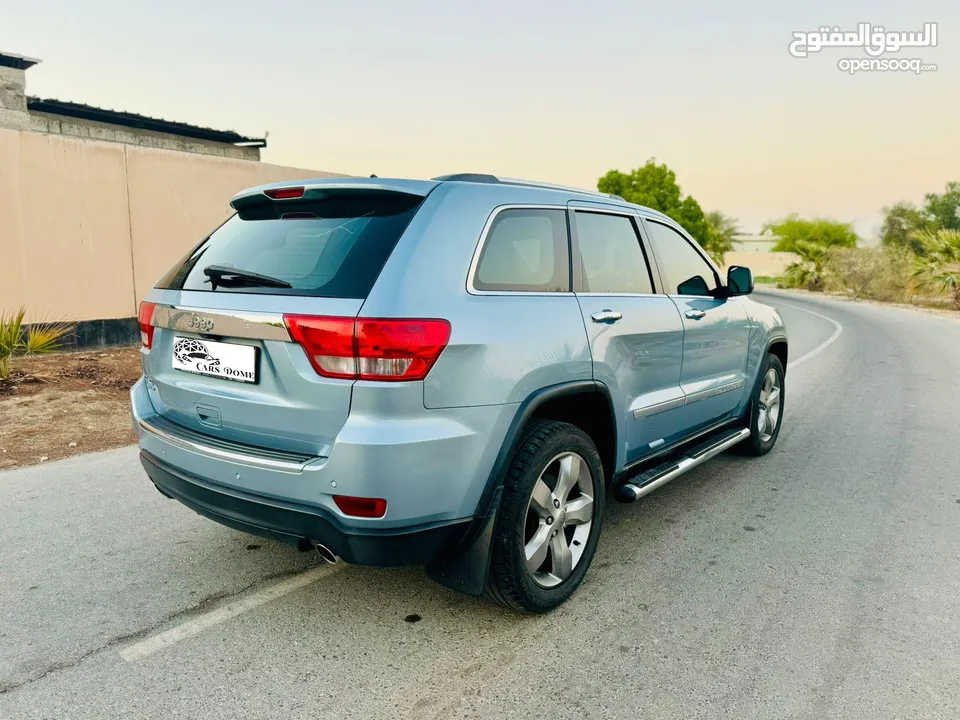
(748, 407)
(467, 566)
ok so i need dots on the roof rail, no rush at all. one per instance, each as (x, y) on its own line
(554, 186)
(485, 178)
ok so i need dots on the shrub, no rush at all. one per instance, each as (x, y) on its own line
(807, 272)
(37, 339)
(11, 331)
(939, 267)
(876, 274)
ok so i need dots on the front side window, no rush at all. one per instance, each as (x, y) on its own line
(684, 270)
(612, 259)
(525, 251)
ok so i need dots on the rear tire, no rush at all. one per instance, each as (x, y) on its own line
(765, 413)
(549, 519)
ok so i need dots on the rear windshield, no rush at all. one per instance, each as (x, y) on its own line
(331, 247)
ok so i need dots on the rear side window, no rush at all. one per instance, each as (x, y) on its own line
(611, 256)
(525, 251)
(332, 247)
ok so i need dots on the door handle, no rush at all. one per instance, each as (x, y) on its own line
(695, 314)
(606, 316)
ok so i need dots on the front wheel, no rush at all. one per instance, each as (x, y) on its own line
(765, 413)
(549, 519)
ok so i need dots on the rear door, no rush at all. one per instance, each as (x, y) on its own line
(716, 329)
(636, 335)
(223, 361)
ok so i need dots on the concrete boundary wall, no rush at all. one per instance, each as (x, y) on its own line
(769, 264)
(87, 227)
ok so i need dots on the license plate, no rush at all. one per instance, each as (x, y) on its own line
(216, 359)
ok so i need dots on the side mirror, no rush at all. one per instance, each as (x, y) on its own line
(694, 286)
(739, 280)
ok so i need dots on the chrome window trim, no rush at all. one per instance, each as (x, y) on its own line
(482, 242)
(223, 323)
(620, 294)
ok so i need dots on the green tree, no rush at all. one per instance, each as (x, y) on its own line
(903, 222)
(794, 230)
(720, 240)
(938, 268)
(655, 186)
(943, 211)
(900, 223)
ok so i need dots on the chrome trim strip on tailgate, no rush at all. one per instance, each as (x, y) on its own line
(255, 326)
(231, 452)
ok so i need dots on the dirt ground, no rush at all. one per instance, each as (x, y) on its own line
(65, 404)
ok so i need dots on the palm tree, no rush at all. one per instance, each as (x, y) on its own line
(721, 230)
(808, 271)
(939, 266)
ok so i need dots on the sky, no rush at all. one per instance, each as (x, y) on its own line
(554, 91)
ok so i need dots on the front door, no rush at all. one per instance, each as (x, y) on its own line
(636, 335)
(716, 330)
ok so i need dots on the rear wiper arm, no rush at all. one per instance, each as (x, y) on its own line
(232, 277)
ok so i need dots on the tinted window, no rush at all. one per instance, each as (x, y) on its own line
(526, 251)
(684, 270)
(333, 247)
(611, 256)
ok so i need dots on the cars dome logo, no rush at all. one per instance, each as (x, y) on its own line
(193, 351)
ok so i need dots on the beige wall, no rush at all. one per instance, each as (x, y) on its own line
(87, 227)
(770, 264)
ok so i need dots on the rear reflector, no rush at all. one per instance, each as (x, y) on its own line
(361, 507)
(370, 349)
(145, 317)
(284, 193)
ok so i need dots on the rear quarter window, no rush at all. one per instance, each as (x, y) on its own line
(334, 246)
(525, 250)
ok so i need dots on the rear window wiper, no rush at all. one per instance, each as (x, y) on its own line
(232, 277)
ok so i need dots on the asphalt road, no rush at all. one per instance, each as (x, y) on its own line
(821, 581)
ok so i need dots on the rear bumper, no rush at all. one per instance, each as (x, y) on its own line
(301, 525)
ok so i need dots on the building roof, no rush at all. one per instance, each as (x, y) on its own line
(140, 122)
(20, 62)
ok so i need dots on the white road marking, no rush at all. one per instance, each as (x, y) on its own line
(198, 624)
(822, 346)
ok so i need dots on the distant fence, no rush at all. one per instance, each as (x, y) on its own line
(87, 227)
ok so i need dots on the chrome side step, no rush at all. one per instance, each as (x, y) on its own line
(659, 475)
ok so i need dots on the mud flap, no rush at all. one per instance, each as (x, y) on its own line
(467, 568)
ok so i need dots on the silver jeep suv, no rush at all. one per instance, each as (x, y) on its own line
(455, 373)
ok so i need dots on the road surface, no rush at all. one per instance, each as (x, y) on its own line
(821, 581)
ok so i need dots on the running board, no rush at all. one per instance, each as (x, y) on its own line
(687, 459)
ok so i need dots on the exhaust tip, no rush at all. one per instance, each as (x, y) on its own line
(326, 553)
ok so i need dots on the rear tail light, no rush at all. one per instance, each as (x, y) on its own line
(370, 349)
(361, 507)
(289, 193)
(145, 317)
